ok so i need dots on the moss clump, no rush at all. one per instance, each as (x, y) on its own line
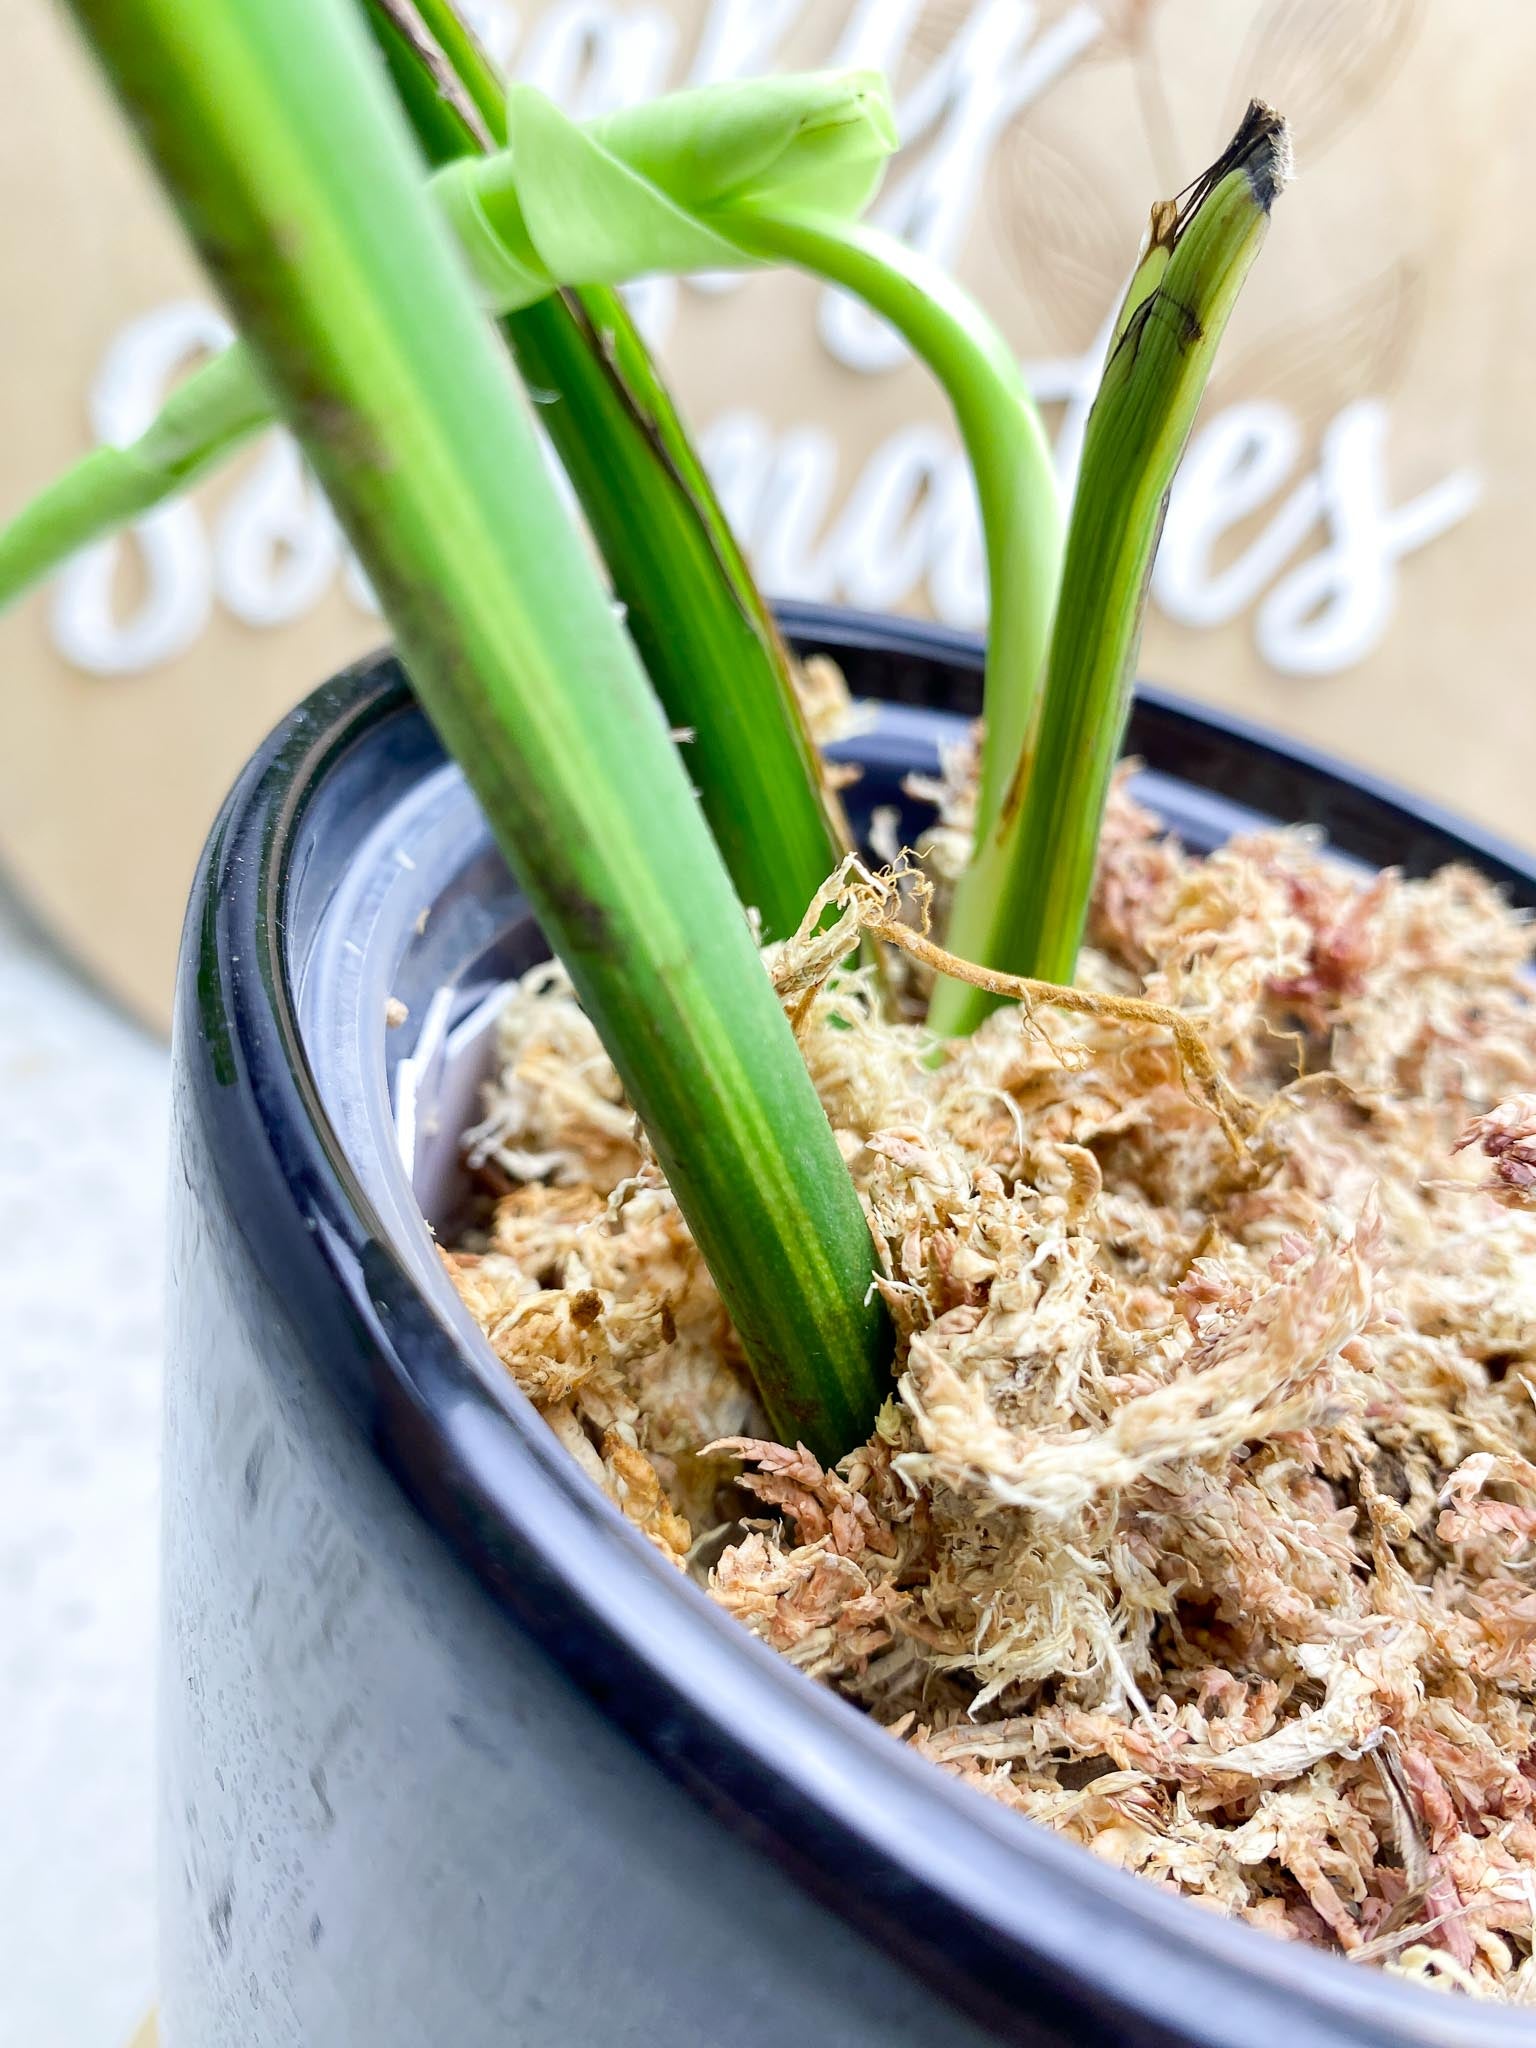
(1199, 1523)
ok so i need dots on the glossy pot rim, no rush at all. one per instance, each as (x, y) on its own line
(1001, 1915)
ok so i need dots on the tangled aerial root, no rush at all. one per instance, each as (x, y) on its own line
(1201, 1522)
(873, 902)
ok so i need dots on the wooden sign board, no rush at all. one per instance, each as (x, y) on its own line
(1346, 554)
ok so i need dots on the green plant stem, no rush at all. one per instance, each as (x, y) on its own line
(256, 113)
(1010, 458)
(708, 640)
(1022, 904)
(417, 33)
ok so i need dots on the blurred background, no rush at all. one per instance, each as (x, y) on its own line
(1345, 557)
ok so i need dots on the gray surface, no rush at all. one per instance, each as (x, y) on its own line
(82, 1169)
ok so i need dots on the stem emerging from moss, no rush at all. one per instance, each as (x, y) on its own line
(1022, 904)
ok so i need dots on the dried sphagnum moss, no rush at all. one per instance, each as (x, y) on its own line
(1201, 1523)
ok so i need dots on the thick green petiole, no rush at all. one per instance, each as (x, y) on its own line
(257, 113)
(1022, 903)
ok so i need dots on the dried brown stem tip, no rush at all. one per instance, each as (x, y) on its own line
(1261, 147)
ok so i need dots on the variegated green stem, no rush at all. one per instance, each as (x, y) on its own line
(257, 114)
(708, 640)
(1022, 904)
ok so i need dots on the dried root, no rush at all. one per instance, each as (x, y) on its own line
(1201, 1521)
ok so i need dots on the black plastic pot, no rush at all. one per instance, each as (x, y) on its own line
(450, 1755)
